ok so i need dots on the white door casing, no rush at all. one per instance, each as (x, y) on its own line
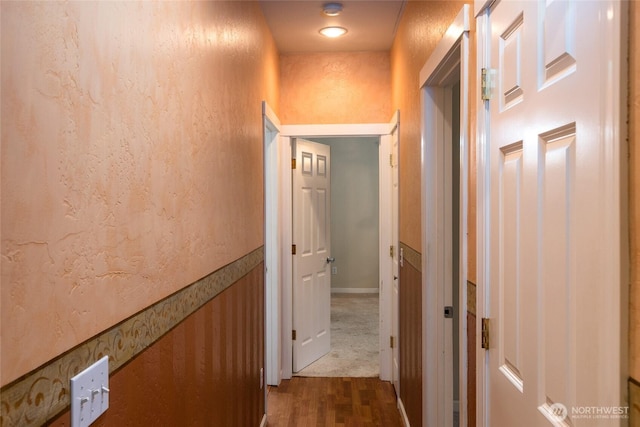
(447, 65)
(395, 260)
(388, 207)
(273, 232)
(551, 269)
(311, 265)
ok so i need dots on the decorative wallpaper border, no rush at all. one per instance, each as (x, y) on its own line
(44, 393)
(412, 256)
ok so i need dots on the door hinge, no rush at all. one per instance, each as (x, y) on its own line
(293, 334)
(293, 163)
(485, 84)
(391, 341)
(293, 249)
(392, 251)
(391, 160)
(485, 333)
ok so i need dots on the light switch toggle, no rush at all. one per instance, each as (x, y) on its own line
(90, 393)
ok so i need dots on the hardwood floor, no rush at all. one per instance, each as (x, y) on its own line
(332, 402)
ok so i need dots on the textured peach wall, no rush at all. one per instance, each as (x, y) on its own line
(421, 28)
(634, 189)
(131, 159)
(327, 88)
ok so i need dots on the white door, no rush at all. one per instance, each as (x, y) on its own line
(553, 272)
(395, 286)
(311, 262)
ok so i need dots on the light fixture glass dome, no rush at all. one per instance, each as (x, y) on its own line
(332, 9)
(333, 32)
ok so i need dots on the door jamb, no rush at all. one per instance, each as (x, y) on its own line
(483, 179)
(272, 243)
(452, 51)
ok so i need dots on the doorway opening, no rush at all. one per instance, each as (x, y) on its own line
(279, 310)
(354, 272)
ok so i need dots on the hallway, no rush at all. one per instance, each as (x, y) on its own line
(134, 192)
(332, 402)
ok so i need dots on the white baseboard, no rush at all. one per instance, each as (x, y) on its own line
(403, 414)
(264, 421)
(354, 290)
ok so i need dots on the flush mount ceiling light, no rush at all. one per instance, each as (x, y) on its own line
(332, 9)
(333, 32)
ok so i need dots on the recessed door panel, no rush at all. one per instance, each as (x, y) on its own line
(557, 171)
(559, 39)
(510, 266)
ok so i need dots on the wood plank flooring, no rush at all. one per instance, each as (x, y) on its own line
(332, 402)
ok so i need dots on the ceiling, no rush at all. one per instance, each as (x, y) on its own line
(371, 25)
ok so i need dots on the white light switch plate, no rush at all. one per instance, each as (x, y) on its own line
(90, 393)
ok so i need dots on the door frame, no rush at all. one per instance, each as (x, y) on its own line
(281, 310)
(450, 56)
(273, 200)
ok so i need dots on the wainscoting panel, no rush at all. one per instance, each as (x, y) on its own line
(411, 335)
(193, 358)
(634, 403)
(205, 371)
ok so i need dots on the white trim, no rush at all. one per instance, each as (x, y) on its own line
(385, 272)
(286, 274)
(302, 131)
(355, 290)
(263, 423)
(267, 112)
(272, 232)
(435, 79)
(403, 414)
(480, 6)
(442, 52)
(483, 181)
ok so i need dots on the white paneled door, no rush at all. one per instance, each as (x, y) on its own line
(553, 232)
(312, 258)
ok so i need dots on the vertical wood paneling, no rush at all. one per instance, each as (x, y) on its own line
(411, 342)
(471, 369)
(634, 195)
(204, 372)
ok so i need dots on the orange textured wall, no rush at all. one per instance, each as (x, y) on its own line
(131, 159)
(328, 88)
(421, 28)
(634, 188)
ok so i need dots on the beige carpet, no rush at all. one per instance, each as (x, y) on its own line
(354, 339)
